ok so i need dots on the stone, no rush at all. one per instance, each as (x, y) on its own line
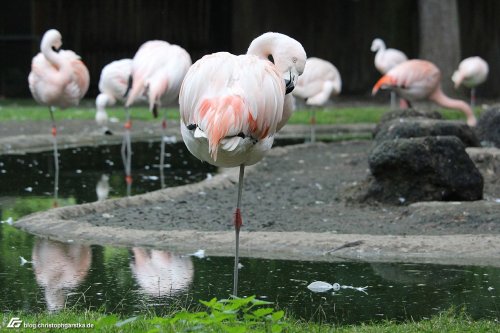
(488, 127)
(420, 127)
(434, 168)
(406, 113)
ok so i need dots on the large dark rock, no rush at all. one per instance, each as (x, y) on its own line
(421, 169)
(420, 127)
(406, 113)
(488, 127)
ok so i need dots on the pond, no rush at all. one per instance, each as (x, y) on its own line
(136, 280)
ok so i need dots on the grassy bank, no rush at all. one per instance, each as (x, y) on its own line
(254, 320)
(29, 110)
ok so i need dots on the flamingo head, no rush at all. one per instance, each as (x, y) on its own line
(52, 39)
(287, 55)
(377, 44)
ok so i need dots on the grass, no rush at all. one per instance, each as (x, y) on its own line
(240, 315)
(28, 110)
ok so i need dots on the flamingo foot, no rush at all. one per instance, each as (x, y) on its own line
(128, 180)
(164, 124)
(238, 221)
(54, 131)
(128, 124)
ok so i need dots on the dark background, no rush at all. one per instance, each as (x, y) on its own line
(340, 31)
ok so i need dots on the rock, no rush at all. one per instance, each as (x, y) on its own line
(422, 169)
(487, 160)
(421, 127)
(407, 113)
(488, 127)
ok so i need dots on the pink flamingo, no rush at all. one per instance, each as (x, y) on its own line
(231, 106)
(419, 80)
(385, 60)
(471, 72)
(316, 85)
(58, 78)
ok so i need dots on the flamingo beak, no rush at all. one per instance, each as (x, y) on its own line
(289, 84)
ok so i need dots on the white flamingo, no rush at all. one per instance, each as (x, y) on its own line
(471, 72)
(385, 60)
(316, 85)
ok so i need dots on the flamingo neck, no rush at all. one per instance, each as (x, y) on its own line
(52, 56)
(440, 98)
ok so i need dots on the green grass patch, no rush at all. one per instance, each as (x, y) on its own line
(235, 316)
(28, 110)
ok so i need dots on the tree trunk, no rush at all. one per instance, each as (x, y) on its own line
(440, 37)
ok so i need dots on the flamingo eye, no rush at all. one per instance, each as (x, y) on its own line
(270, 58)
(294, 59)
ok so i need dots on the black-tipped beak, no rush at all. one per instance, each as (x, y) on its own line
(289, 86)
(55, 49)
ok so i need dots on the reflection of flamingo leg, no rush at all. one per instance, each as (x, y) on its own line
(237, 225)
(313, 124)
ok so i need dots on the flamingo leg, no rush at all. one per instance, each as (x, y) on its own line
(126, 151)
(394, 103)
(237, 225)
(162, 148)
(313, 125)
(472, 98)
(54, 135)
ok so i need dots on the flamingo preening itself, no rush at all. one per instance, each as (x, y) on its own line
(316, 85)
(232, 106)
(158, 69)
(471, 72)
(421, 80)
(385, 60)
(58, 78)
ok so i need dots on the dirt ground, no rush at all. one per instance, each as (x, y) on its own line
(294, 207)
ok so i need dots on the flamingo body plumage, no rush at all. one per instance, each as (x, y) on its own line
(238, 103)
(419, 80)
(60, 78)
(158, 69)
(320, 80)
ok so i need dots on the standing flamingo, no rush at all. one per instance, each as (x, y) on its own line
(113, 85)
(471, 72)
(158, 69)
(385, 60)
(58, 78)
(418, 80)
(231, 106)
(320, 80)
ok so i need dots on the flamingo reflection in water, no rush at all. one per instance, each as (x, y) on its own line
(59, 268)
(161, 273)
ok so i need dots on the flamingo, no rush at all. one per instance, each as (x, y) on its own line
(231, 106)
(113, 87)
(320, 80)
(419, 80)
(158, 69)
(58, 78)
(471, 72)
(386, 59)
